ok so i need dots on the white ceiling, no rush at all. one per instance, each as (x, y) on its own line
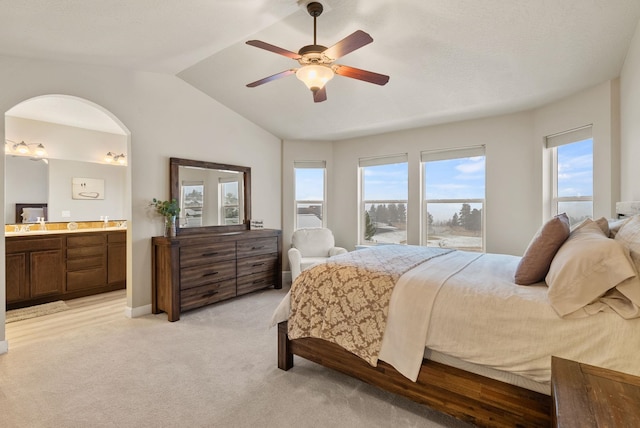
(448, 60)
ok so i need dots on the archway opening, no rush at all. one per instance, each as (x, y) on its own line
(77, 136)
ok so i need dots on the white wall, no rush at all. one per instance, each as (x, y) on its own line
(515, 184)
(166, 118)
(630, 122)
(65, 142)
(598, 106)
(508, 205)
(61, 174)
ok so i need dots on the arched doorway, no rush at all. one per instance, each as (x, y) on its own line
(71, 129)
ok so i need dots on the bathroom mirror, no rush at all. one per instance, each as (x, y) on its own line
(211, 195)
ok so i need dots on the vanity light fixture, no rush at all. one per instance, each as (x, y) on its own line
(40, 151)
(23, 148)
(111, 157)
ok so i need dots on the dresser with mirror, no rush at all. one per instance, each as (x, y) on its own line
(214, 255)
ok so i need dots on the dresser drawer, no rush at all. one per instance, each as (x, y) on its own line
(254, 247)
(208, 253)
(117, 237)
(86, 263)
(256, 281)
(86, 252)
(213, 272)
(20, 245)
(84, 240)
(256, 264)
(88, 278)
(206, 294)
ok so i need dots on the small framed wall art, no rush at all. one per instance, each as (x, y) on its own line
(87, 188)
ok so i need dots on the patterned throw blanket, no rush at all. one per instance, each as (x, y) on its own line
(346, 300)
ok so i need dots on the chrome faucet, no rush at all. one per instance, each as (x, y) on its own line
(43, 226)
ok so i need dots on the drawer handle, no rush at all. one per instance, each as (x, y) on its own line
(257, 264)
(257, 248)
(209, 254)
(210, 273)
(209, 294)
(258, 281)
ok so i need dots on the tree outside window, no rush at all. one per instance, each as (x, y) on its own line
(383, 205)
(454, 192)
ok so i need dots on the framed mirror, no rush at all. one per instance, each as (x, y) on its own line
(212, 196)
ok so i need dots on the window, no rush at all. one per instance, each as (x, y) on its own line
(454, 191)
(383, 204)
(229, 201)
(572, 173)
(309, 193)
(192, 201)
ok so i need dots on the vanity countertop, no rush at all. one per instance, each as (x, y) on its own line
(60, 231)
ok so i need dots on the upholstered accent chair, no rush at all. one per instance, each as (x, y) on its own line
(309, 247)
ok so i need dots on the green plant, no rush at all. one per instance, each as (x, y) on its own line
(166, 208)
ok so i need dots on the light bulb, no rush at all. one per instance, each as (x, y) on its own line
(315, 76)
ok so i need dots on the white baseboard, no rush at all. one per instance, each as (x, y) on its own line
(138, 311)
(4, 347)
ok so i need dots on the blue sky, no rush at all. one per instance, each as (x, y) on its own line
(455, 178)
(575, 169)
(309, 184)
(386, 182)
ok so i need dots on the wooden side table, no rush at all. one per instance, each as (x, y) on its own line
(586, 396)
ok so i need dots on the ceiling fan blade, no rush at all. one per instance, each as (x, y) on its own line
(349, 44)
(271, 48)
(356, 73)
(320, 95)
(270, 78)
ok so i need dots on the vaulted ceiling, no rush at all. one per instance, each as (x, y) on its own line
(448, 60)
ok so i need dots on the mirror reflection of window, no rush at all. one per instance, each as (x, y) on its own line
(191, 203)
(229, 203)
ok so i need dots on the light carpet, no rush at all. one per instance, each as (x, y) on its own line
(35, 311)
(216, 367)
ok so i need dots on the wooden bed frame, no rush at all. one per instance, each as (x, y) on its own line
(467, 396)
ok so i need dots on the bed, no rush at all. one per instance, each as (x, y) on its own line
(475, 344)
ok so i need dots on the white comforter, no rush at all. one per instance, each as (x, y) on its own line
(466, 305)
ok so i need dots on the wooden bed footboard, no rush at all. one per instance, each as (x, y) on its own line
(467, 396)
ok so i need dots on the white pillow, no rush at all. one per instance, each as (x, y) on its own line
(629, 236)
(586, 266)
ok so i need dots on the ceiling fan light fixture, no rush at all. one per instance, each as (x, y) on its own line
(315, 76)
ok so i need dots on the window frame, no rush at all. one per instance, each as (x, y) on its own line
(450, 154)
(364, 163)
(317, 164)
(552, 142)
(222, 182)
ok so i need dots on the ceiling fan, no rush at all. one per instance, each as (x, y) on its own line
(316, 61)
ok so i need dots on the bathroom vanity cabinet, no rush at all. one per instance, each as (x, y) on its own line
(42, 268)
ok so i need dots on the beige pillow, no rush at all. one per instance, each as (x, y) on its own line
(602, 223)
(615, 225)
(586, 266)
(536, 260)
(629, 236)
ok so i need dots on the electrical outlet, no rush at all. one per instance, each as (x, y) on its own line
(66, 214)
